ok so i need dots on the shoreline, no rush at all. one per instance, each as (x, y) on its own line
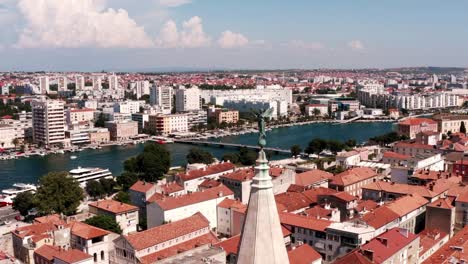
(205, 135)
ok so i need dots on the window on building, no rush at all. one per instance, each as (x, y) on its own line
(102, 255)
(95, 257)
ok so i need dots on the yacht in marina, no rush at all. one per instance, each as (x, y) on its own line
(83, 175)
(7, 196)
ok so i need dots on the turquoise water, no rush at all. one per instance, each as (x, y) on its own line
(28, 170)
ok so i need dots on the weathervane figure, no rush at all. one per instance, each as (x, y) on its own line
(261, 116)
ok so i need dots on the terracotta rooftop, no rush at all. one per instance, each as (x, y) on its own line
(213, 169)
(87, 231)
(311, 177)
(141, 186)
(406, 204)
(230, 245)
(303, 254)
(463, 197)
(388, 244)
(417, 121)
(456, 247)
(72, 256)
(230, 203)
(47, 251)
(292, 201)
(155, 197)
(114, 207)
(445, 203)
(394, 155)
(400, 188)
(380, 217)
(171, 187)
(318, 212)
(344, 196)
(429, 238)
(366, 205)
(352, 176)
(34, 230)
(209, 183)
(353, 257)
(162, 233)
(313, 194)
(403, 144)
(304, 221)
(431, 175)
(209, 238)
(244, 174)
(169, 203)
(52, 219)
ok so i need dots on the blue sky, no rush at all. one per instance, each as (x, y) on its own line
(90, 35)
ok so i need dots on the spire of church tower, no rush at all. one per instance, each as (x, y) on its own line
(262, 238)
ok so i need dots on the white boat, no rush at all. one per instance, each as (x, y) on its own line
(83, 175)
(8, 195)
(73, 157)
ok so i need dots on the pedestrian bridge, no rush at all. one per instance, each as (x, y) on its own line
(232, 145)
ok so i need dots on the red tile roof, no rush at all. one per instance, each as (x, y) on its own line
(155, 197)
(303, 254)
(160, 234)
(352, 176)
(87, 231)
(169, 203)
(400, 188)
(47, 252)
(209, 238)
(403, 144)
(292, 201)
(72, 256)
(406, 204)
(114, 207)
(318, 212)
(313, 194)
(445, 203)
(34, 229)
(230, 203)
(429, 238)
(388, 244)
(52, 219)
(313, 176)
(380, 217)
(230, 245)
(245, 174)
(171, 187)
(394, 155)
(451, 249)
(209, 183)
(141, 186)
(417, 121)
(353, 257)
(304, 221)
(214, 169)
(344, 196)
(366, 205)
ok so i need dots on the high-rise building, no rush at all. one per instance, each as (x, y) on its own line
(79, 82)
(142, 88)
(62, 83)
(97, 82)
(113, 82)
(44, 84)
(162, 97)
(187, 99)
(48, 122)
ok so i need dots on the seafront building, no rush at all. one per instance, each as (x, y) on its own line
(161, 96)
(48, 122)
(187, 99)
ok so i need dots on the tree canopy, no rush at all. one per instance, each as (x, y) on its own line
(123, 197)
(151, 164)
(23, 202)
(105, 222)
(388, 138)
(317, 145)
(58, 193)
(296, 150)
(197, 155)
(94, 189)
(462, 128)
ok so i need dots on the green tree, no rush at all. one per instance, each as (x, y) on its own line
(94, 189)
(101, 121)
(123, 197)
(316, 112)
(316, 146)
(127, 179)
(351, 143)
(15, 142)
(462, 128)
(296, 150)
(108, 185)
(232, 157)
(23, 202)
(105, 222)
(58, 193)
(197, 155)
(151, 164)
(247, 156)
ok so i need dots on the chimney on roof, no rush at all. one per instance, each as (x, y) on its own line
(220, 194)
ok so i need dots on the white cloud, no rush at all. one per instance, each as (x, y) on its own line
(229, 40)
(356, 45)
(78, 23)
(305, 45)
(174, 3)
(192, 35)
